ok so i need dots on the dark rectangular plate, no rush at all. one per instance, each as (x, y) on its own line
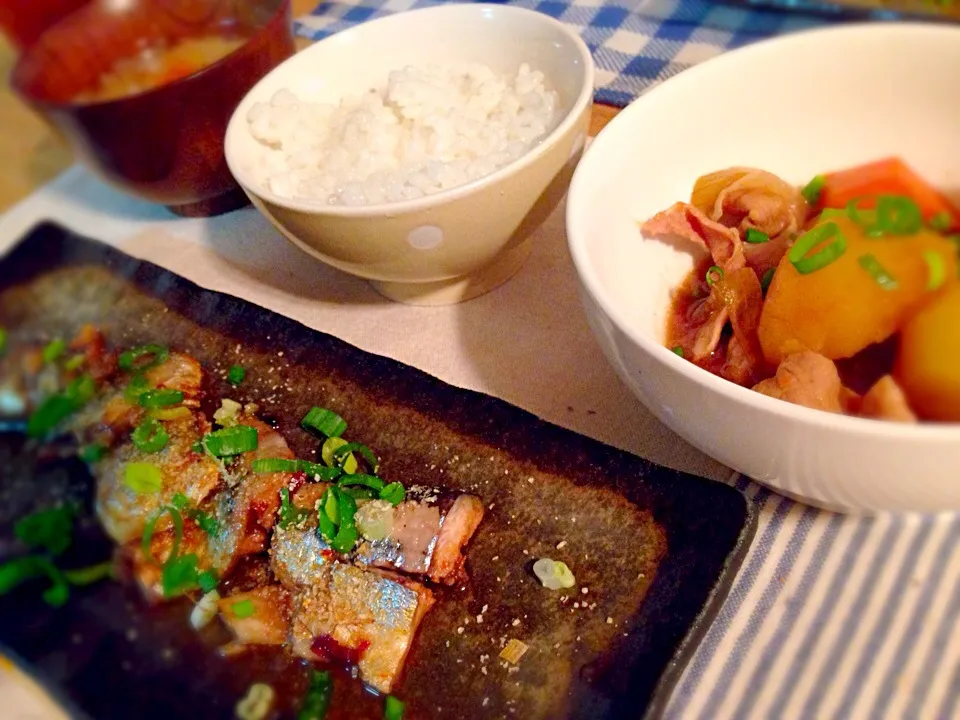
(653, 550)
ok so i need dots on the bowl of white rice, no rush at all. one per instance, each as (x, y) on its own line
(419, 150)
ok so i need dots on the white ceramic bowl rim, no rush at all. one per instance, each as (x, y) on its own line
(444, 196)
(928, 433)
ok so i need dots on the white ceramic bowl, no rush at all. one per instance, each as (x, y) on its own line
(460, 242)
(796, 106)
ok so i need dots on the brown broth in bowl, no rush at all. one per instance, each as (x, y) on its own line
(160, 65)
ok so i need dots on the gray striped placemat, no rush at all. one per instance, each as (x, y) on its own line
(834, 617)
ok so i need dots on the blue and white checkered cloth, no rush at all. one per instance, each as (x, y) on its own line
(635, 43)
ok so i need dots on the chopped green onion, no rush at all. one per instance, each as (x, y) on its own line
(137, 386)
(359, 492)
(151, 525)
(243, 609)
(75, 362)
(205, 522)
(677, 350)
(290, 514)
(811, 239)
(316, 702)
(3, 340)
(897, 215)
(50, 529)
(554, 574)
(143, 478)
(370, 481)
(936, 269)
(54, 350)
(90, 574)
(366, 453)
(57, 408)
(328, 454)
(150, 436)
(336, 519)
(393, 493)
(270, 465)
(828, 213)
(325, 422)
(879, 273)
(256, 704)
(207, 581)
(235, 375)
(393, 708)
(172, 413)
(179, 574)
(755, 237)
(160, 398)
(143, 357)
(16, 572)
(93, 453)
(766, 279)
(714, 275)
(941, 221)
(812, 190)
(231, 441)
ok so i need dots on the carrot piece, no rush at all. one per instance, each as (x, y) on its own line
(890, 176)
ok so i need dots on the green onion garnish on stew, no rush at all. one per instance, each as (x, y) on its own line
(755, 237)
(235, 375)
(270, 465)
(54, 350)
(143, 478)
(941, 221)
(150, 436)
(176, 518)
(348, 462)
(325, 422)
(393, 708)
(316, 702)
(179, 574)
(90, 574)
(50, 529)
(677, 350)
(393, 493)
(336, 519)
(143, 357)
(161, 398)
(137, 386)
(714, 275)
(370, 481)
(766, 279)
(812, 190)
(75, 362)
(290, 514)
(936, 270)
(366, 453)
(879, 273)
(22, 569)
(206, 522)
(57, 408)
(207, 581)
(828, 213)
(231, 441)
(93, 453)
(810, 240)
(243, 608)
(898, 215)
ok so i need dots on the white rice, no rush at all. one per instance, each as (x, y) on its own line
(429, 129)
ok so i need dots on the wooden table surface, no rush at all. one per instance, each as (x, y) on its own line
(31, 155)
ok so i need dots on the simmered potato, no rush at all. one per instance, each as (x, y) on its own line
(928, 368)
(842, 308)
